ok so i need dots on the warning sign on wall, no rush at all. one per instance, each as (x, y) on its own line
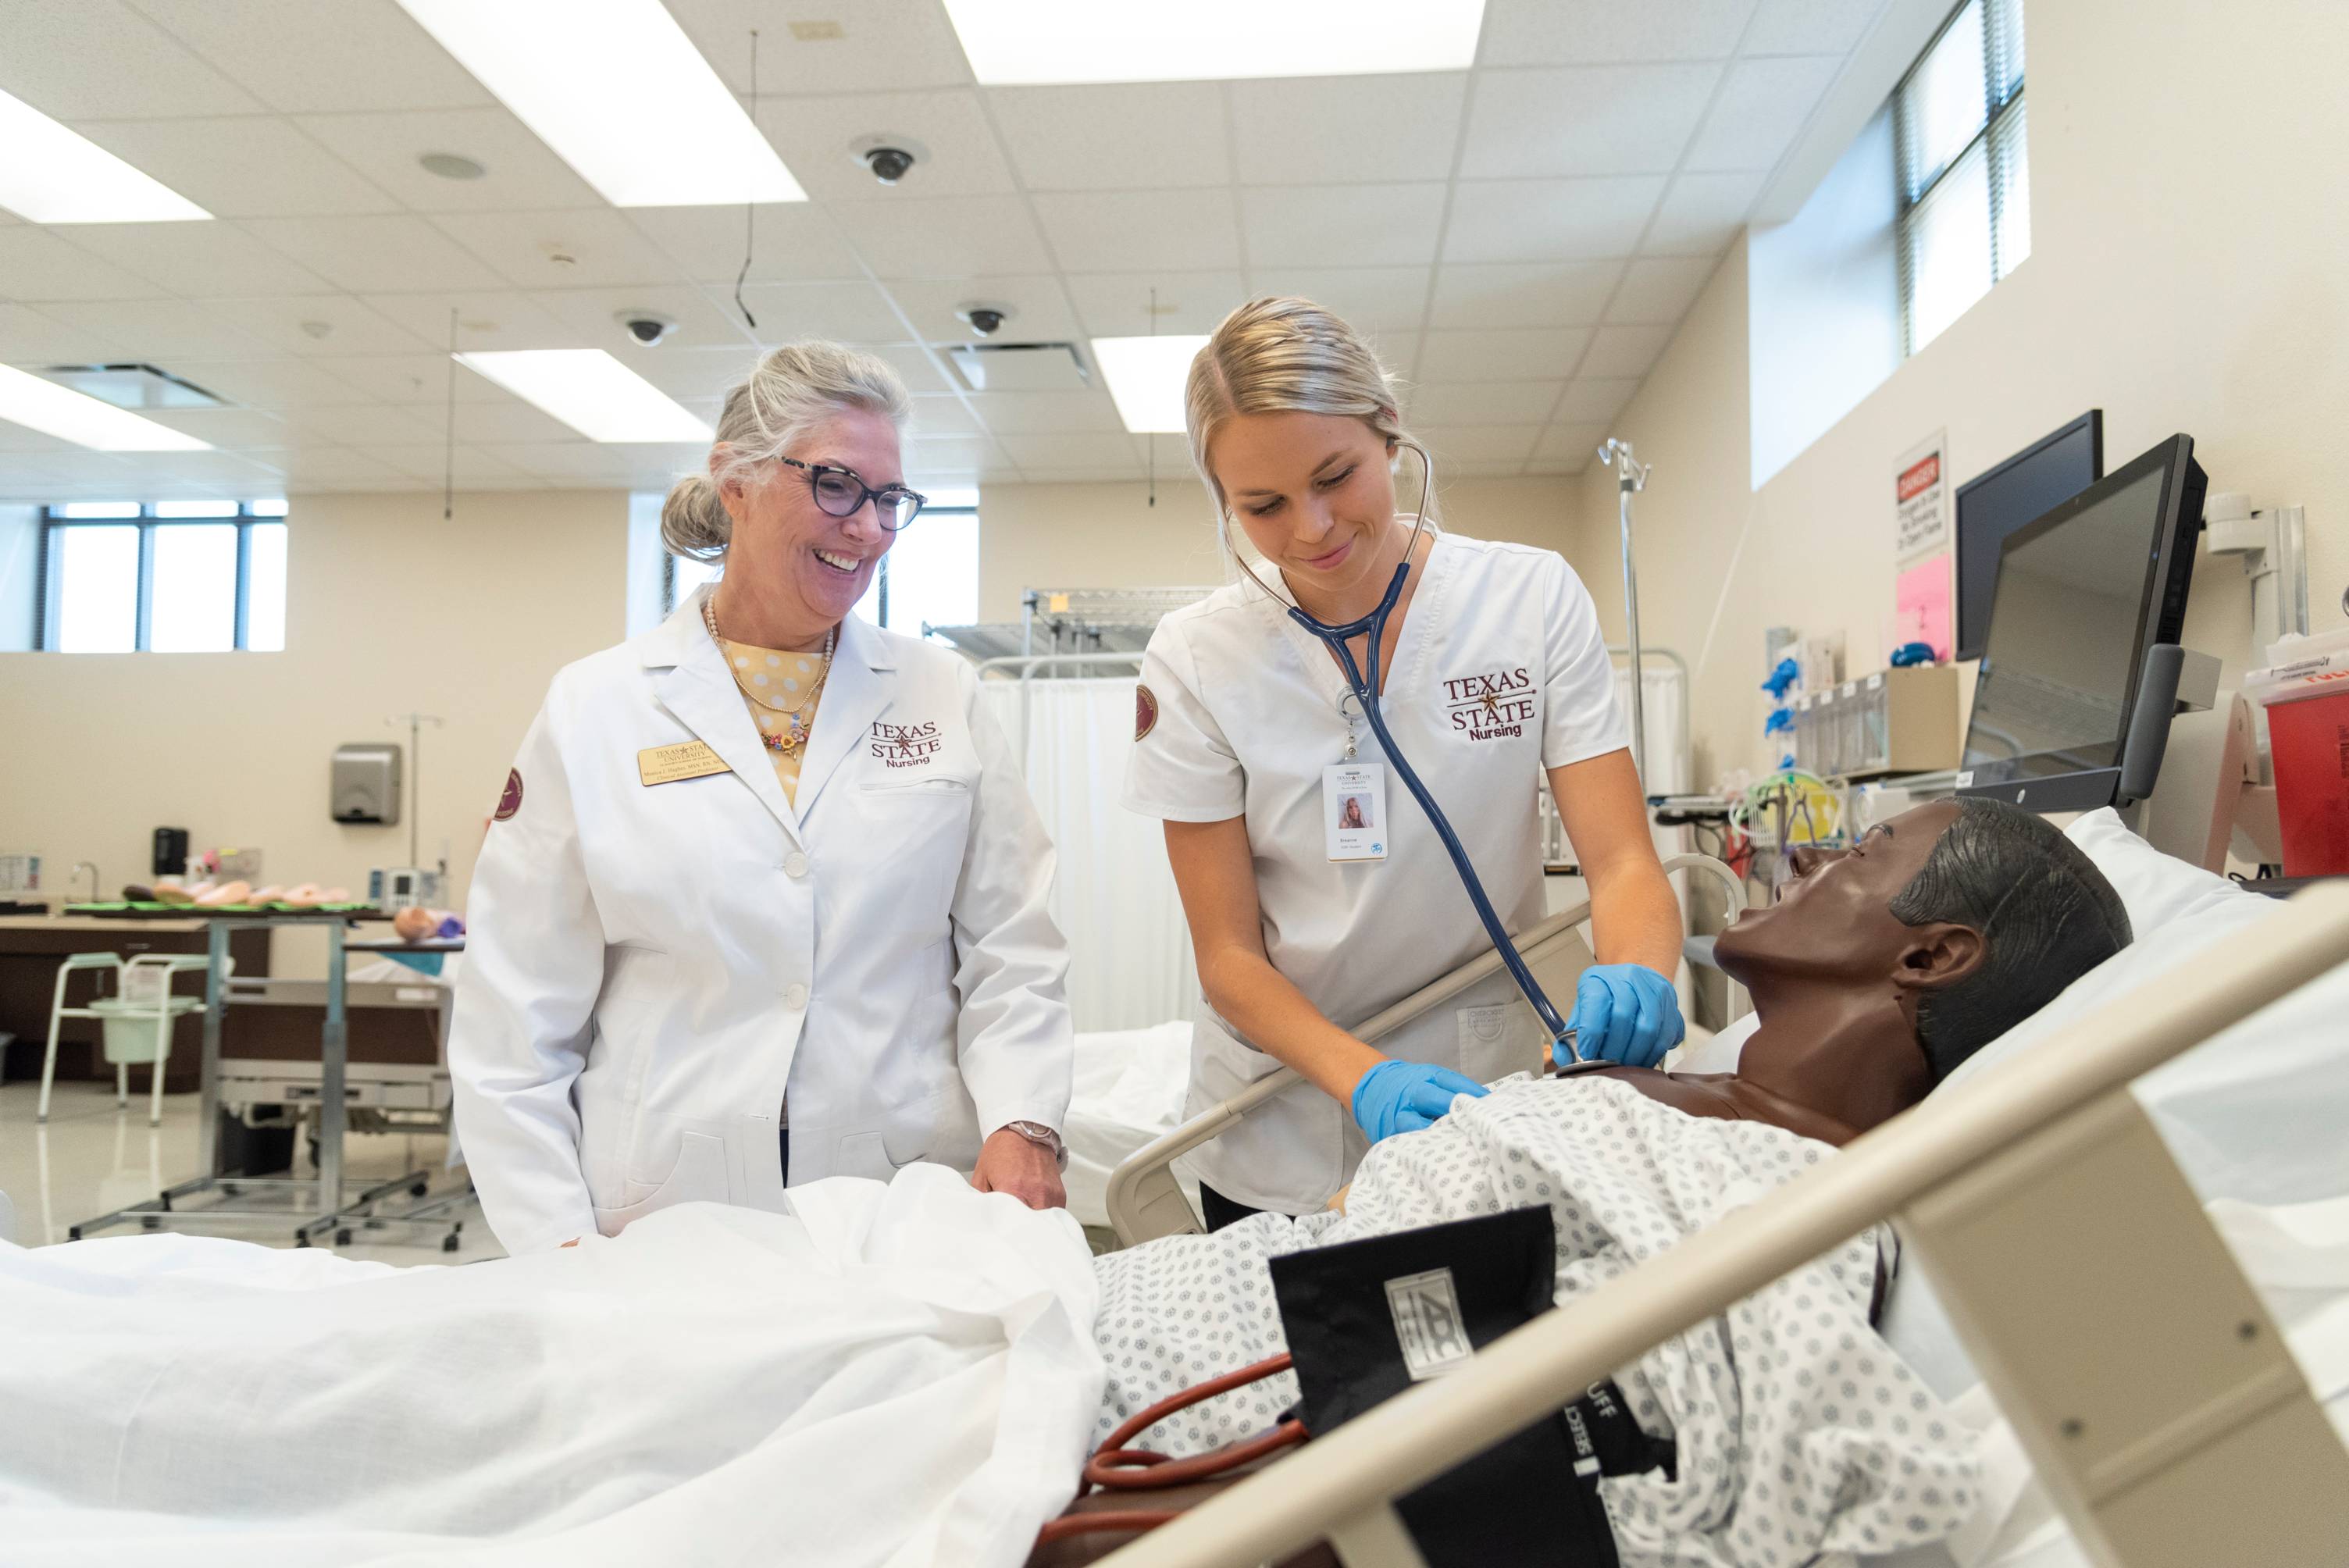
(1921, 511)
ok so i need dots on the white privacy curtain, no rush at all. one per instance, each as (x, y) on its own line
(1129, 950)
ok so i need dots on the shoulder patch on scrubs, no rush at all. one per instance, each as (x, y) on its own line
(1145, 712)
(510, 799)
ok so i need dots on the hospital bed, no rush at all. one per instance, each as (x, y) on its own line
(2146, 1382)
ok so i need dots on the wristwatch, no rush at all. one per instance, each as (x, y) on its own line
(1036, 1132)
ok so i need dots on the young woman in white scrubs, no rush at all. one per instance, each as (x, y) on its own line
(765, 897)
(1252, 750)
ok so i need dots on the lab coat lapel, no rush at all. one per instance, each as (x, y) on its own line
(696, 687)
(859, 690)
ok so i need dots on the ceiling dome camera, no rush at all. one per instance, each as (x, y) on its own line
(647, 327)
(889, 164)
(984, 319)
(887, 156)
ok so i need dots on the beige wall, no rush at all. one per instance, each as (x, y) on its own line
(1110, 536)
(390, 609)
(2185, 276)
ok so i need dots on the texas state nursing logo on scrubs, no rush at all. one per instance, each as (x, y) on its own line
(1494, 707)
(905, 745)
(1145, 712)
(509, 799)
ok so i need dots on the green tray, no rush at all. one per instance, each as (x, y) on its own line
(190, 912)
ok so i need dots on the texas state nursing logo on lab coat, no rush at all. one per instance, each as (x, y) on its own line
(905, 745)
(1494, 707)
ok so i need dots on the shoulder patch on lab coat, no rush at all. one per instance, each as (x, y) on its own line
(1145, 712)
(509, 799)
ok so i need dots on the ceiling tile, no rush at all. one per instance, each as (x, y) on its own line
(1659, 290)
(813, 135)
(48, 62)
(941, 414)
(1551, 294)
(1347, 129)
(486, 318)
(159, 331)
(1625, 351)
(487, 424)
(594, 314)
(295, 55)
(574, 461)
(521, 173)
(697, 374)
(360, 424)
(318, 324)
(1040, 310)
(163, 474)
(1382, 300)
(40, 266)
(1455, 445)
(240, 167)
(337, 468)
(1760, 107)
(1128, 136)
(948, 454)
(472, 465)
(1483, 403)
(1397, 351)
(1570, 443)
(1582, 121)
(1521, 354)
(1545, 220)
(1810, 26)
(29, 337)
(850, 312)
(1583, 32)
(1341, 225)
(1034, 413)
(913, 366)
(1074, 450)
(885, 45)
(789, 241)
(384, 255)
(269, 383)
(413, 379)
(224, 428)
(581, 247)
(1119, 304)
(943, 237)
(1702, 213)
(1595, 400)
(200, 260)
(1135, 231)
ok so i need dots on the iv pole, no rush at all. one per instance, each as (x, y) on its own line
(1631, 477)
(416, 723)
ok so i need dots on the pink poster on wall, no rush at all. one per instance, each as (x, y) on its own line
(1921, 605)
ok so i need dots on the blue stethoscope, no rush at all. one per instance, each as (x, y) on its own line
(1365, 687)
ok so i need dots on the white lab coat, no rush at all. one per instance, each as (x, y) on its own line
(1501, 672)
(651, 967)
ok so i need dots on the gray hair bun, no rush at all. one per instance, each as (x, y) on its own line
(694, 521)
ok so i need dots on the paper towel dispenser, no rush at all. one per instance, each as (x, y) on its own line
(366, 787)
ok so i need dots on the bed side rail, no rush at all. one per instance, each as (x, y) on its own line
(2213, 1437)
(1144, 1200)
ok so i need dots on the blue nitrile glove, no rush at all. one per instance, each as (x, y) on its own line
(1624, 1013)
(1404, 1097)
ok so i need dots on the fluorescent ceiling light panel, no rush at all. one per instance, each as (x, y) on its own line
(1028, 42)
(619, 92)
(590, 391)
(52, 175)
(1145, 377)
(71, 416)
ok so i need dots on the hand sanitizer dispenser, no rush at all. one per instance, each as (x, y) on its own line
(366, 785)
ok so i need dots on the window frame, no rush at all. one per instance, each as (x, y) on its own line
(50, 569)
(2002, 117)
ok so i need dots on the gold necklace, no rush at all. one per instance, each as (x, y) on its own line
(796, 737)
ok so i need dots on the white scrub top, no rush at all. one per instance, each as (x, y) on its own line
(1500, 672)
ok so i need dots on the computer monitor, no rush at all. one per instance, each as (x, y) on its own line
(1993, 505)
(2082, 593)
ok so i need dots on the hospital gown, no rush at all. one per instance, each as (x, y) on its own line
(1798, 1430)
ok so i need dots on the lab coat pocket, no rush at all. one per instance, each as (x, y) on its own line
(1498, 1039)
(700, 1173)
(919, 829)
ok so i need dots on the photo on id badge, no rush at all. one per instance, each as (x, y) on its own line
(1353, 797)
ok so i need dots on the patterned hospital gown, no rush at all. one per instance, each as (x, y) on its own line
(1799, 1431)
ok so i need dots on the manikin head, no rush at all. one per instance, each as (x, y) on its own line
(1935, 933)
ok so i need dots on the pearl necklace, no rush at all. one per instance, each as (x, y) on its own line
(797, 737)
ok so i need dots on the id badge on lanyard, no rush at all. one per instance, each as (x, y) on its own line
(1354, 804)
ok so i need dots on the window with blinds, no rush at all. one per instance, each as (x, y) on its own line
(1961, 158)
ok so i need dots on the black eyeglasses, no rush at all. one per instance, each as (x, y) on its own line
(839, 492)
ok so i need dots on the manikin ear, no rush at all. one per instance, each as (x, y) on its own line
(1936, 956)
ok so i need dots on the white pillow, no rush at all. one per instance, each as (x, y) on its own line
(2155, 889)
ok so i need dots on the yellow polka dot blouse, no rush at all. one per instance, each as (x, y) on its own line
(779, 688)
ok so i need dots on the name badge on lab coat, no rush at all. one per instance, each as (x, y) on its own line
(1354, 810)
(687, 759)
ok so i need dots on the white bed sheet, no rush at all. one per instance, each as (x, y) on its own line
(1129, 1092)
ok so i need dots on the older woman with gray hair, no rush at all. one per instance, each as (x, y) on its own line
(763, 900)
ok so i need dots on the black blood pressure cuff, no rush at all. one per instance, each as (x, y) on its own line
(1367, 1319)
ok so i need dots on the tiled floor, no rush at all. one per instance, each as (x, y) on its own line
(91, 1158)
